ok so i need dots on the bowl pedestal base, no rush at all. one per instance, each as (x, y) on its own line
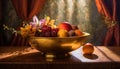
(51, 55)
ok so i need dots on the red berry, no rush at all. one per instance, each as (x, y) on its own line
(46, 31)
(46, 28)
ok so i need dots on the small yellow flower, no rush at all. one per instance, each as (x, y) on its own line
(32, 32)
(28, 27)
(28, 30)
(23, 31)
(47, 18)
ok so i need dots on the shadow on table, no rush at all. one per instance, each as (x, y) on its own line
(90, 56)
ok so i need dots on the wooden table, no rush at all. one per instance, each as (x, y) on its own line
(27, 57)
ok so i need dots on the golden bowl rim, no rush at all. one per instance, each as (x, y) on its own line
(84, 35)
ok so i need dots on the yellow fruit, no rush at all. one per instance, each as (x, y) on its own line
(62, 33)
(88, 48)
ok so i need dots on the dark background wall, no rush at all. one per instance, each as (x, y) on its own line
(82, 13)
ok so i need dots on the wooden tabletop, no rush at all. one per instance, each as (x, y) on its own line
(102, 55)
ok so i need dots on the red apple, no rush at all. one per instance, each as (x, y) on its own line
(65, 26)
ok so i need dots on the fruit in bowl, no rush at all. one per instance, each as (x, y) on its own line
(62, 33)
(65, 26)
(78, 32)
(57, 40)
(74, 27)
(49, 38)
(57, 45)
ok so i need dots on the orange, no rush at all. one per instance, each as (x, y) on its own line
(78, 32)
(88, 48)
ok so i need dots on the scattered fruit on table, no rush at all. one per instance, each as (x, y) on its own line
(88, 48)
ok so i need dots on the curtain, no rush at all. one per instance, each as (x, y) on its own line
(1, 35)
(0, 10)
(25, 10)
(0, 21)
(82, 13)
(110, 10)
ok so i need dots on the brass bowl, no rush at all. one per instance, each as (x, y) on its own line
(57, 45)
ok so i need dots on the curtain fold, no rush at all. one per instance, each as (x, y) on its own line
(110, 10)
(0, 10)
(102, 8)
(113, 36)
(1, 39)
(20, 8)
(25, 10)
(36, 6)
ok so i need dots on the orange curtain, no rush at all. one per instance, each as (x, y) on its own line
(1, 35)
(110, 9)
(0, 10)
(0, 22)
(25, 10)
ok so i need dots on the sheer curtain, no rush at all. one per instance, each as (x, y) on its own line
(110, 9)
(0, 10)
(82, 13)
(78, 12)
(25, 10)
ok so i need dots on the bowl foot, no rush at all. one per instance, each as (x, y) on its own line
(50, 55)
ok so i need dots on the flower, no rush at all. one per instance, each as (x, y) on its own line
(34, 28)
(27, 31)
